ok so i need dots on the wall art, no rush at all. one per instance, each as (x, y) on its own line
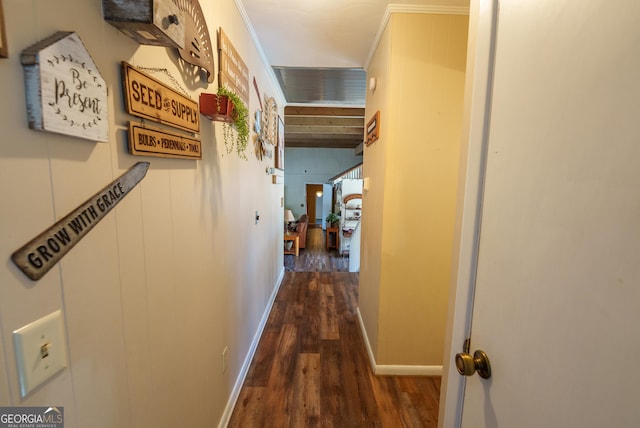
(270, 121)
(198, 49)
(65, 92)
(157, 22)
(280, 149)
(151, 99)
(234, 73)
(149, 141)
(40, 254)
(373, 128)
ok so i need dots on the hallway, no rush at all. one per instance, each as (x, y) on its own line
(314, 258)
(311, 367)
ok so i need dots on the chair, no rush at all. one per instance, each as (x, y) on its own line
(301, 229)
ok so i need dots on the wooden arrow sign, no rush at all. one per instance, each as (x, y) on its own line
(38, 256)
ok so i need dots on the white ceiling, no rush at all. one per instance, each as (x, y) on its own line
(325, 33)
(319, 50)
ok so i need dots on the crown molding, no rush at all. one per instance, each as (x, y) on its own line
(280, 98)
(417, 8)
(410, 8)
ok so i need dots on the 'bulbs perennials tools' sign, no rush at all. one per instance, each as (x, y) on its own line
(149, 141)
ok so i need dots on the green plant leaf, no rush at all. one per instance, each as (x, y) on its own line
(240, 122)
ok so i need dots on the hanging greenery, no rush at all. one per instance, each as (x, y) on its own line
(239, 142)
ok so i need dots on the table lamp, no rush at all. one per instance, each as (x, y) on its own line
(288, 219)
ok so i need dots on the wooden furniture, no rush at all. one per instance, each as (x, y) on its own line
(351, 212)
(150, 22)
(332, 238)
(301, 230)
(295, 248)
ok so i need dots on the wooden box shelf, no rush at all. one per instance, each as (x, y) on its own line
(332, 238)
(150, 22)
(295, 248)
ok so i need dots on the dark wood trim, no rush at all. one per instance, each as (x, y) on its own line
(324, 121)
(324, 111)
(4, 49)
(351, 197)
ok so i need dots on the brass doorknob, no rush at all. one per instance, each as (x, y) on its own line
(468, 365)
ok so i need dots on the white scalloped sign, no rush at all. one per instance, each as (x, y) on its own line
(65, 92)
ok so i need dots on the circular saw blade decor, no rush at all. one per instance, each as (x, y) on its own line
(197, 43)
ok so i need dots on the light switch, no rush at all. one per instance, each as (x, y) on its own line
(40, 351)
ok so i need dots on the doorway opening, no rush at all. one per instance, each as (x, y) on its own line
(314, 204)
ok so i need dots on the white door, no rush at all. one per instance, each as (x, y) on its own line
(327, 197)
(557, 289)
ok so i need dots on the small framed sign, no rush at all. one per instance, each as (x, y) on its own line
(373, 128)
(279, 161)
(149, 141)
(151, 99)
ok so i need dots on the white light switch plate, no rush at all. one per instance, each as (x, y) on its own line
(35, 363)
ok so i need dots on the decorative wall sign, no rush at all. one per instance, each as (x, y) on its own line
(157, 22)
(38, 256)
(197, 43)
(255, 85)
(65, 92)
(148, 141)
(280, 149)
(373, 128)
(234, 73)
(151, 99)
(262, 149)
(257, 124)
(270, 121)
(4, 51)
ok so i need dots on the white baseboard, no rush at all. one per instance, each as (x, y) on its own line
(372, 358)
(389, 370)
(394, 370)
(235, 392)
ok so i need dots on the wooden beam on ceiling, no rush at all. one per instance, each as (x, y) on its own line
(324, 144)
(324, 120)
(323, 111)
(323, 130)
(323, 127)
(320, 136)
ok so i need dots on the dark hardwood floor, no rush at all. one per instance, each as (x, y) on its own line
(314, 257)
(311, 366)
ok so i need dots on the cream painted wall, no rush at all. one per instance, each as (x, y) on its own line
(412, 171)
(312, 166)
(176, 273)
(373, 193)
